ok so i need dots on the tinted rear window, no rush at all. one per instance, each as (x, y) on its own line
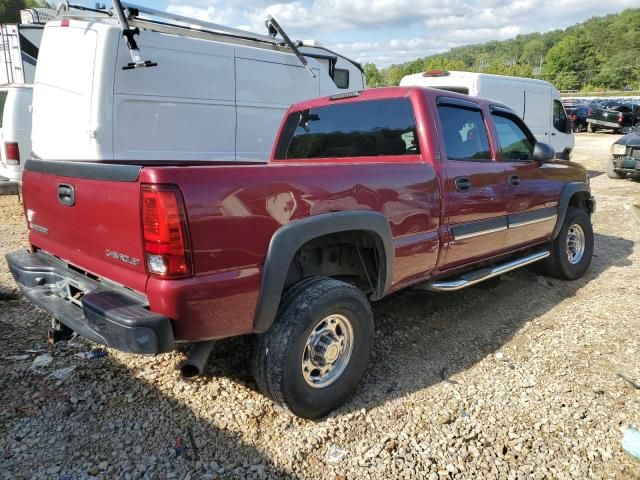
(357, 129)
(3, 99)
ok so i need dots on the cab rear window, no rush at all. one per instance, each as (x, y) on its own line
(358, 129)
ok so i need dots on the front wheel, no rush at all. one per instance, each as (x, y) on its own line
(318, 347)
(572, 249)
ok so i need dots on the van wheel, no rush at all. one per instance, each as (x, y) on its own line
(318, 347)
(611, 170)
(572, 249)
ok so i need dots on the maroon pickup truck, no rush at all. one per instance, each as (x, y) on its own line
(366, 193)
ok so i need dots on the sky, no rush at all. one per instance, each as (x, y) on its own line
(388, 32)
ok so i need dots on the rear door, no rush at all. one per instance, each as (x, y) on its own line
(475, 185)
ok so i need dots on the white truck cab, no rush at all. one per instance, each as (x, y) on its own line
(537, 102)
(201, 94)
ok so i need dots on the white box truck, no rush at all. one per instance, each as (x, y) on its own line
(537, 102)
(132, 86)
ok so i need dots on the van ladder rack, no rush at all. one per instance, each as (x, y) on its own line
(130, 33)
(192, 27)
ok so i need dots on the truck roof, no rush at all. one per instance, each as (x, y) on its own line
(385, 92)
(469, 75)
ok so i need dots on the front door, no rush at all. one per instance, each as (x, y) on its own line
(475, 186)
(532, 201)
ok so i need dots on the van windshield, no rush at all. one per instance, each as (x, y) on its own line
(3, 99)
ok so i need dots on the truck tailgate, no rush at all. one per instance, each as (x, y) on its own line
(88, 214)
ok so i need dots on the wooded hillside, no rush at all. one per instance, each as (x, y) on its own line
(601, 53)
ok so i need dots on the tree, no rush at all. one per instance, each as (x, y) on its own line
(10, 10)
(373, 76)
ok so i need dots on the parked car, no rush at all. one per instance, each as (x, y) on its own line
(15, 129)
(366, 193)
(536, 102)
(619, 117)
(578, 115)
(205, 92)
(625, 156)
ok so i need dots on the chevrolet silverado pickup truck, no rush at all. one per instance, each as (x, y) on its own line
(619, 117)
(366, 193)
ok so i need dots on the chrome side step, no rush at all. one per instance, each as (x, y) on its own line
(471, 278)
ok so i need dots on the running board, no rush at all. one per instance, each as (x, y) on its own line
(477, 276)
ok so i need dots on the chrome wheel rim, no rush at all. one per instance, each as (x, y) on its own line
(327, 351)
(575, 244)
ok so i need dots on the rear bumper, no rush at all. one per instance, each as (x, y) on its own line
(106, 314)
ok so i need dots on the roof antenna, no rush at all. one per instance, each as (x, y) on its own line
(130, 33)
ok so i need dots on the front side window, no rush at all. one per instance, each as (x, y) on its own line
(559, 116)
(515, 145)
(465, 136)
(357, 129)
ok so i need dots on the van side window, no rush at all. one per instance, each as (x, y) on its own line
(516, 146)
(465, 136)
(559, 116)
(341, 77)
(357, 129)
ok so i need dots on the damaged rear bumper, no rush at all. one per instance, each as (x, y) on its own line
(107, 314)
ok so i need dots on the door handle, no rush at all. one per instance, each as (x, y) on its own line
(553, 133)
(513, 180)
(66, 195)
(463, 184)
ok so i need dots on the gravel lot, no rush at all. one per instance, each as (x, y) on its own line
(518, 378)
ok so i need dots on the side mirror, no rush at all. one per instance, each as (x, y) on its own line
(543, 152)
(567, 126)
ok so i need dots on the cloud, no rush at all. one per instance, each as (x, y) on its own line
(394, 31)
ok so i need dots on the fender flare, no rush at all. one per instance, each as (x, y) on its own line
(287, 240)
(567, 192)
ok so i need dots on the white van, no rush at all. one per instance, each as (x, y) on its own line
(537, 102)
(15, 129)
(208, 93)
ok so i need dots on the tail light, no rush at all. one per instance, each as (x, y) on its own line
(620, 117)
(165, 232)
(573, 117)
(12, 153)
(589, 112)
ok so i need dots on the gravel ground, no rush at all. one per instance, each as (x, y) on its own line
(518, 378)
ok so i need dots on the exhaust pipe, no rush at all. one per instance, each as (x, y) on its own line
(197, 359)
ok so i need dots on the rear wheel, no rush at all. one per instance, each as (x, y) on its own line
(572, 249)
(611, 170)
(317, 349)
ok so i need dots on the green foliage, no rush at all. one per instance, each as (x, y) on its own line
(10, 10)
(601, 53)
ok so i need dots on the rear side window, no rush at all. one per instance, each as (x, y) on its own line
(358, 129)
(465, 136)
(341, 77)
(3, 99)
(514, 142)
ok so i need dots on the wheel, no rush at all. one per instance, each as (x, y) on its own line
(611, 170)
(591, 128)
(318, 347)
(572, 249)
